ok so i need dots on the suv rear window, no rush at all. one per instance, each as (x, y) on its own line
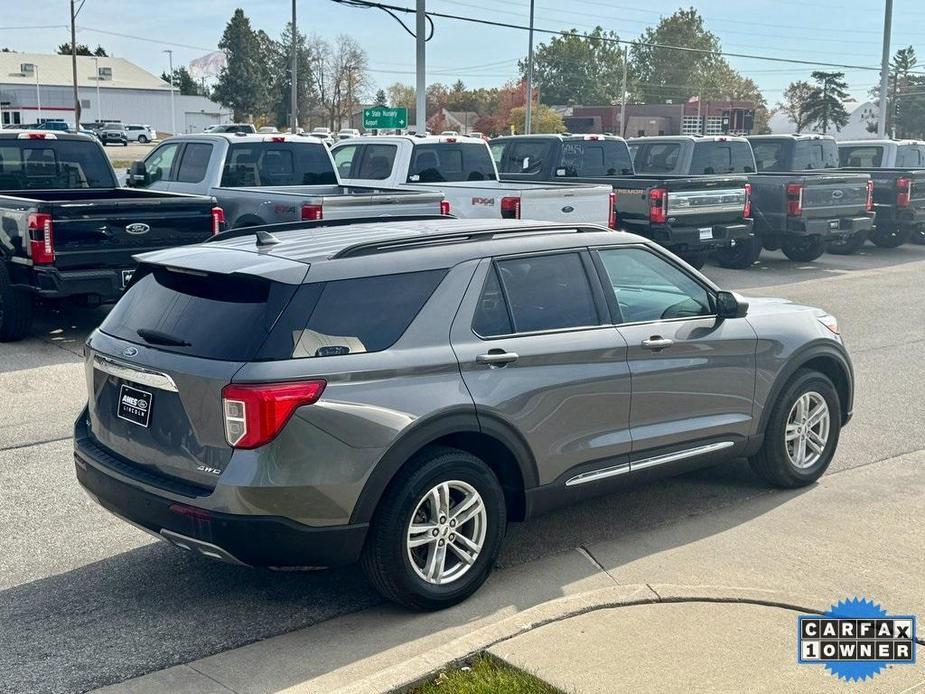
(53, 164)
(278, 164)
(446, 162)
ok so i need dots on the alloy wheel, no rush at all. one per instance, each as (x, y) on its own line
(807, 431)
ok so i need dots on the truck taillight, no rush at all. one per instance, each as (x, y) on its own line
(255, 413)
(869, 204)
(41, 238)
(218, 220)
(510, 208)
(612, 212)
(747, 208)
(794, 200)
(903, 192)
(658, 205)
(444, 207)
(312, 213)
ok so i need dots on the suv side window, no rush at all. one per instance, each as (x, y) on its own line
(194, 163)
(648, 288)
(160, 164)
(491, 315)
(544, 292)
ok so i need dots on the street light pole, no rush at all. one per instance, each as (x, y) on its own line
(626, 55)
(294, 96)
(421, 83)
(885, 68)
(529, 110)
(99, 102)
(74, 63)
(173, 111)
(38, 95)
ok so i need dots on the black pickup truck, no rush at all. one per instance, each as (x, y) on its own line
(67, 230)
(689, 216)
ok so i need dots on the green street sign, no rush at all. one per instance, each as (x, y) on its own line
(384, 118)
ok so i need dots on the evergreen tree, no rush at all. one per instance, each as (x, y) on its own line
(244, 83)
(381, 98)
(824, 107)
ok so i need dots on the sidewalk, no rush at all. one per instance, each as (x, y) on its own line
(705, 604)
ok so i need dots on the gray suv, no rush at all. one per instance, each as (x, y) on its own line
(395, 392)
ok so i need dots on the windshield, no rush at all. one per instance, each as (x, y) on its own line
(53, 164)
(445, 162)
(278, 164)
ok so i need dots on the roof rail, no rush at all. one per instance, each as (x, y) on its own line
(404, 243)
(315, 223)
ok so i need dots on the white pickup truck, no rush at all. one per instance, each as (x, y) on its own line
(266, 179)
(463, 170)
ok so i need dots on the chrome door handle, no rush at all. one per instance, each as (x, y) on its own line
(656, 343)
(497, 358)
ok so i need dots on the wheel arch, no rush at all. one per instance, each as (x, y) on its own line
(248, 220)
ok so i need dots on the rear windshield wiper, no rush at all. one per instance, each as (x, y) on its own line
(156, 337)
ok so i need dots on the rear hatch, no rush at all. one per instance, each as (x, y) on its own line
(157, 365)
(706, 201)
(834, 196)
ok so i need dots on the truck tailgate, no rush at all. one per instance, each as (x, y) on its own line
(834, 196)
(706, 201)
(565, 203)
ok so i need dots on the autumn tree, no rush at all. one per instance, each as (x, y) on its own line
(795, 104)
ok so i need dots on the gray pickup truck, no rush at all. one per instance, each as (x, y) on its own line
(269, 179)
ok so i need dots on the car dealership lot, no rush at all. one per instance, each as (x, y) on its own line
(88, 600)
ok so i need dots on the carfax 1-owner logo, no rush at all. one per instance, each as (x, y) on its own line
(856, 639)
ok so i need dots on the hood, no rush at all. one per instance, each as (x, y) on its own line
(763, 306)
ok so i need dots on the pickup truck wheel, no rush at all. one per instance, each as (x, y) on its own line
(741, 256)
(918, 236)
(696, 259)
(437, 531)
(890, 236)
(803, 249)
(848, 245)
(802, 432)
(15, 309)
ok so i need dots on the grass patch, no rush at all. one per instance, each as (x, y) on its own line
(119, 164)
(485, 675)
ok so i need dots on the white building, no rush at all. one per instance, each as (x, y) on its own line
(36, 87)
(860, 115)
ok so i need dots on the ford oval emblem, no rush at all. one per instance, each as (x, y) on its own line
(130, 352)
(837, 194)
(138, 228)
(568, 208)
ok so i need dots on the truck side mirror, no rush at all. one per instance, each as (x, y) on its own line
(137, 175)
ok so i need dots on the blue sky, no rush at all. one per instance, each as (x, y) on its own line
(839, 31)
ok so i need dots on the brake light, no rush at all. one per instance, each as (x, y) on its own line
(510, 208)
(747, 209)
(312, 213)
(450, 139)
(612, 212)
(903, 192)
(255, 413)
(658, 205)
(794, 200)
(37, 136)
(444, 207)
(278, 138)
(869, 203)
(41, 238)
(593, 137)
(218, 220)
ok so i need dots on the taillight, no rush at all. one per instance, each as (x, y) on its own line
(794, 199)
(444, 207)
(612, 212)
(658, 205)
(255, 413)
(218, 220)
(869, 203)
(278, 138)
(747, 208)
(510, 208)
(41, 238)
(311, 213)
(903, 192)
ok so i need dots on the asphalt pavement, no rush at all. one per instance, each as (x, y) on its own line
(87, 600)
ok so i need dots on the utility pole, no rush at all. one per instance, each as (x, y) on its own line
(885, 68)
(38, 95)
(626, 53)
(350, 69)
(74, 63)
(99, 102)
(173, 111)
(529, 110)
(421, 84)
(294, 118)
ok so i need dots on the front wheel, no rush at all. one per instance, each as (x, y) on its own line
(803, 249)
(848, 245)
(437, 532)
(802, 432)
(15, 309)
(740, 256)
(142, 139)
(890, 236)
(918, 237)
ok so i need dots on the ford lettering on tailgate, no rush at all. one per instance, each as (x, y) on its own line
(484, 202)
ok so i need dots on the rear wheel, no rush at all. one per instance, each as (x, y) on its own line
(803, 249)
(740, 256)
(890, 236)
(142, 139)
(696, 259)
(848, 245)
(918, 236)
(15, 309)
(437, 531)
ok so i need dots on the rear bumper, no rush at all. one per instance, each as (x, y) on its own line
(700, 238)
(830, 226)
(52, 283)
(251, 540)
(904, 218)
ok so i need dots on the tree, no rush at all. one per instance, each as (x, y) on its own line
(797, 96)
(307, 94)
(381, 98)
(578, 68)
(401, 95)
(83, 49)
(185, 83)
(244, 83)
(542, 120)
(824, 107)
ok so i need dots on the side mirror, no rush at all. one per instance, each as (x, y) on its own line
(730, 305)
(137, 175)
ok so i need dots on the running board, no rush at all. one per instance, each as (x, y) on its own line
(622, 469)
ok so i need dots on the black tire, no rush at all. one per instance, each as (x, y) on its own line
(890, 236)
(385, 558)
(803, 249)
(696, 259)
(15, 309)
(741, 256)
(918, 237)
(848, 245)
(773, 462)
(142, 139)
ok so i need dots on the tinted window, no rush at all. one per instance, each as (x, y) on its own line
(657, 157)
(451, 161)
(908, 156)
(377, 162)
(219, 316)
(772, 155)
(648, 288)
(548, 292)
(194, 163)
(809, 155)
(860, 155)
(367, 314)
(722, 158)
(278, 164)
(590, 158)
(343, 159)
(491, 316)
(37, 164)
(523, 156)
(160, 164)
